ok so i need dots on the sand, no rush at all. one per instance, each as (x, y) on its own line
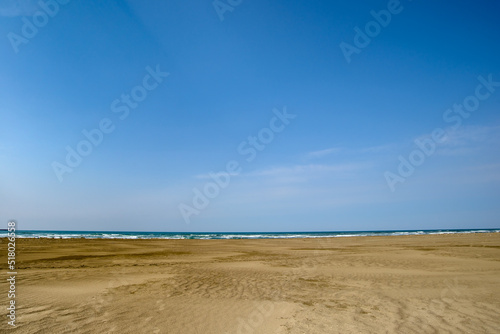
(397, 284)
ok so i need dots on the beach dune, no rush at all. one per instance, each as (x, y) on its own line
(385, 284)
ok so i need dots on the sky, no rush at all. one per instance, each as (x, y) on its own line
(249, 115)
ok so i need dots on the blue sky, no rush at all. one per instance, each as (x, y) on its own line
(326, 169)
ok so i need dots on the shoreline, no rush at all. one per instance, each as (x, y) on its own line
(53, 234)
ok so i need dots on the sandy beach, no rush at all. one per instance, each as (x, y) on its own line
(396, 284)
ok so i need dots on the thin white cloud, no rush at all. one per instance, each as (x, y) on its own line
(296, 171)
(466, 135)
(468, 140)
(311, 169)
(486, 167)
(207, 176)
(322, 153)
(469, 134)
(378, 149)
(354, 151)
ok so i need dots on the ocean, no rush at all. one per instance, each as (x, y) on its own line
(228, 235)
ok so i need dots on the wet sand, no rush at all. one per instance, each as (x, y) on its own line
(397, 284)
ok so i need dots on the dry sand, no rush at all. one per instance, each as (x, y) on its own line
(398, 284)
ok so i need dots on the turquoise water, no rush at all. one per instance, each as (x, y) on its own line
(232, 235)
